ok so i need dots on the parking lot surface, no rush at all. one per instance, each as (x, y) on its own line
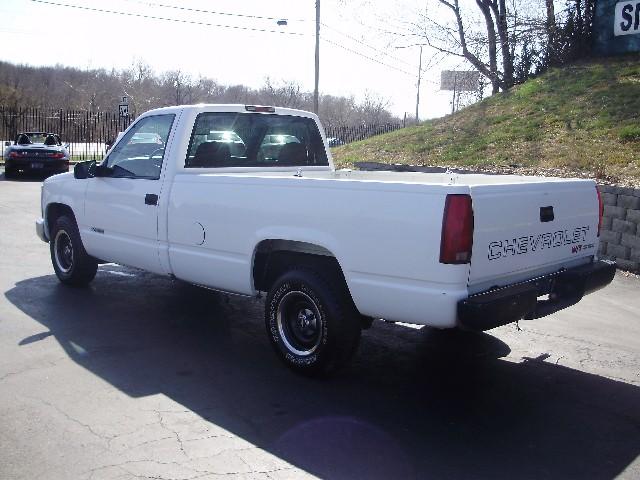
(138, 376)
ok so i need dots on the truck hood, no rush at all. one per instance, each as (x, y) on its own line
(60, 178)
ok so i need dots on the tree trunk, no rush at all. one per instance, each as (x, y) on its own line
(550, 26)
(486, 71)
(507, 57)
(499, 9)
(491, 42)
(579, 18)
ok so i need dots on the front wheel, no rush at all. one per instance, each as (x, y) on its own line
(72, 264)
(313, 326)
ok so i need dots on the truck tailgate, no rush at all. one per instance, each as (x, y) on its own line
(527, 229)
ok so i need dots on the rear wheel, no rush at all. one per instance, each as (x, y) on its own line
(313, 326)
(72, 264)
(9, 172)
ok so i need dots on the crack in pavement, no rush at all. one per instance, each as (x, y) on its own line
(198, 473)
(72, 419)
(49, 364)
(177, 435)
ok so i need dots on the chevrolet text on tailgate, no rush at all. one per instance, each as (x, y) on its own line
(245, 199)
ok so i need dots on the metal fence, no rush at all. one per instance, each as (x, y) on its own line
(343, 134)
(88, 132)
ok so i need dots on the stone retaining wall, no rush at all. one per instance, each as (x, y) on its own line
(620, 236)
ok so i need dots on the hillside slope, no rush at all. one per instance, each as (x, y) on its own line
(582, 120)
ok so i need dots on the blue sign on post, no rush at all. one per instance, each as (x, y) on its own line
(616, 27)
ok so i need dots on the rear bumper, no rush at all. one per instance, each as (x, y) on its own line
(37, 165)
(494, 308)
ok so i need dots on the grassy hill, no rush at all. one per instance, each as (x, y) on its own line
(582, 120)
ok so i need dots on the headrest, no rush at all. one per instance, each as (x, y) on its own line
(211, 154)
(293, 154)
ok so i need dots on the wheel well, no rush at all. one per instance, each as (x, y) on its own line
(273, 257)
(54, 211)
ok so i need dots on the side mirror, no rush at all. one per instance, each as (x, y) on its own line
(66, 145)
(102, 171)
(7, 144)
(84, 170)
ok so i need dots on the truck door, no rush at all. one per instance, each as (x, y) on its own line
(121, 204)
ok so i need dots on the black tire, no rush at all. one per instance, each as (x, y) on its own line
(312, 323)
(9, 173)
(72, 264)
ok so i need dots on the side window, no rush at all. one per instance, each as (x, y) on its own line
(140, 152)
(254, 140)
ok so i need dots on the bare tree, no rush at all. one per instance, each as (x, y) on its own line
(99, 90)
(451, 35)
(373, 109)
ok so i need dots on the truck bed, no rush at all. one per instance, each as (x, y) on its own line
(384, 227)
(412, 177)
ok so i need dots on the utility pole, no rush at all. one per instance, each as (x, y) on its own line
(317, 80)
(455, 87)
(419, 78)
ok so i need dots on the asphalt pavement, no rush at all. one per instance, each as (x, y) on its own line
(138, 376)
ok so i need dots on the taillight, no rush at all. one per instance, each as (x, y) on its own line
(56, 156)
(457, 230)
(13, 155)
(600, 210)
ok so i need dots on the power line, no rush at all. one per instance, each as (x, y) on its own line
(424, 70)
(375, 60)
(302, 20)
(177, 20)
(233, 27)
(367, 45)
(211, 12)
(367, 57)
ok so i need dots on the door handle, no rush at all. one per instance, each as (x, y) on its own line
(151, 199)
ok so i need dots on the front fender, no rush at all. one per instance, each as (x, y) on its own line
(64, 190)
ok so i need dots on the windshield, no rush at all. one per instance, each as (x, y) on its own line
(28, 138)
(37, 137)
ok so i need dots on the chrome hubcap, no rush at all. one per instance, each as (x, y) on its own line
(63, 250)
(299, 323)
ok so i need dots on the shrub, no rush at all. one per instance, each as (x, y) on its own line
(630, 133)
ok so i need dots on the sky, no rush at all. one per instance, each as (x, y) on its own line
(356, 56)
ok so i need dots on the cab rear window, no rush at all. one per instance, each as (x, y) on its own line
(254, 140)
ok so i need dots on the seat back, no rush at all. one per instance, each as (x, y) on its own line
(211, 154)
(292, 154)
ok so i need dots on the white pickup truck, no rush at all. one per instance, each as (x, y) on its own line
(245, 199)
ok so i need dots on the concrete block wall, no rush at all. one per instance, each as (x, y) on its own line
(620, 236)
